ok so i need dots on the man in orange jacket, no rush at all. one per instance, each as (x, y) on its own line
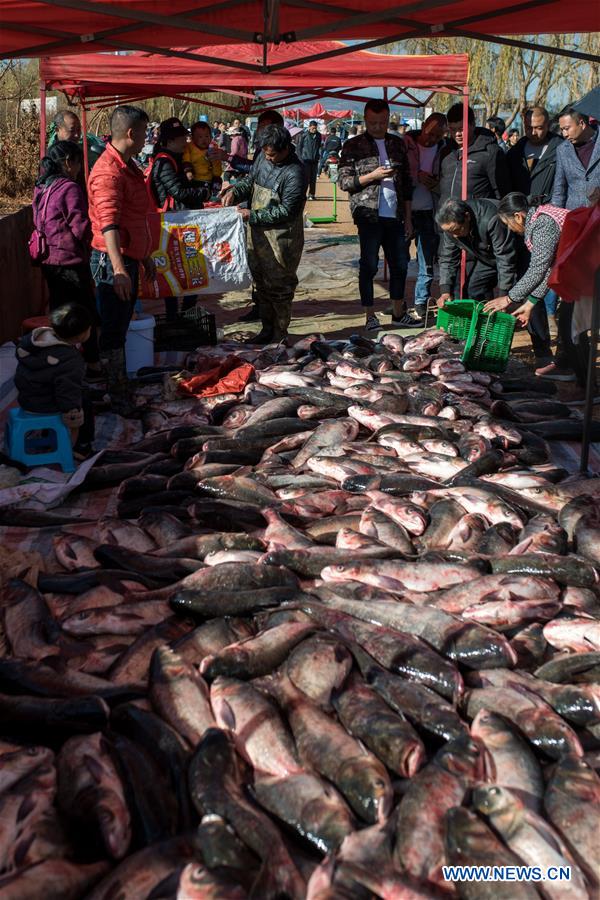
(119, 207)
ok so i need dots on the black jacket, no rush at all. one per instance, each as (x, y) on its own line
(309, 146)
(360, 156)
(539, 182)
(170, 185)
(287, 181)
(487, 172)
(489, 242)
(333, 144)
(49, 374)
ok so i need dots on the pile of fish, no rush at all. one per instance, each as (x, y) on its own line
(343, 631)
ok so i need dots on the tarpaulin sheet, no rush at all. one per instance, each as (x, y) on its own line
(578, 255)
(228, 377)
(77, 26)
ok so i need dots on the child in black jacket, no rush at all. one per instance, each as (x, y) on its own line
(50, 371)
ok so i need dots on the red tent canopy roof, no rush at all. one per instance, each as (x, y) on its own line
(140, 74)
(317, 111)
(51, 27)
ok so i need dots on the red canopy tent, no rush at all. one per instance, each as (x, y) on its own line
(51, 27)
(104, 79)
(96, 78)
(318, 112)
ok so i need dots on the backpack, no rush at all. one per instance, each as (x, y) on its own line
(169, 203)
(38, 243)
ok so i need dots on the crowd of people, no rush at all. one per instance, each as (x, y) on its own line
(403, 185)
(519, 191)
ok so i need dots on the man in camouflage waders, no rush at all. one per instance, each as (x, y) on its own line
(276, 188)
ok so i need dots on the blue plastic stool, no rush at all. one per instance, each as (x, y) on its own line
(54, 448)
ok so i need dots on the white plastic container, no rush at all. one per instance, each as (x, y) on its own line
(139, 346)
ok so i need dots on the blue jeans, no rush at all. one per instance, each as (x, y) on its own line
(426, 238)
(115, 314)
(389, 234)
(551, 301)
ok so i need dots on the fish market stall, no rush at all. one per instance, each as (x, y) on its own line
(320, 636)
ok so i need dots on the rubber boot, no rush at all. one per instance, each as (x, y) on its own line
(118, 385)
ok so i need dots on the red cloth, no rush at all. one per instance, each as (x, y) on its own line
(118, 196)
(229, 377)
(578, 255)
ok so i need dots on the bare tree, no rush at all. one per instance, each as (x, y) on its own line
(510, 79)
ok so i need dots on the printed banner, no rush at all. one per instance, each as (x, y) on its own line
(197, 251)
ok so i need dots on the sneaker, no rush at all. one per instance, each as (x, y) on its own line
(372, 323)
(389, 311)
(410, 320)
(311, 197)
(252, 315)
(553, 373)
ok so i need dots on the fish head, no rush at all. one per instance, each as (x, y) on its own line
(463, 757)
(214, 758)
(464, 832)
(494, 801)
(167, 664)
(574, 777)
(367, 787)
(339, 572)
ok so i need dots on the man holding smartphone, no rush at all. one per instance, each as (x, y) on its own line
(374, 170)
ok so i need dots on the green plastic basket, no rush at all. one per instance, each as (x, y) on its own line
(455, 318)
(488, 336)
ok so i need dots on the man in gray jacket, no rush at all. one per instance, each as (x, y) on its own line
(577, 161)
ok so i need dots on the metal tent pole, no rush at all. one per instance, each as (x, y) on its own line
(586, 437)
(464, 191)
(42, 119)
(86, 154)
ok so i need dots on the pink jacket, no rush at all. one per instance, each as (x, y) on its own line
(60, 212)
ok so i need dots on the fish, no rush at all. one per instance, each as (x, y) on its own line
(257, 655)
(470, 842)
(326, 747)
(90, 792)
(197, 882)
(439, 787)
(318, 667)
(578, 634)
(259, 732)
(531, 715)
(530, 837)
(366, 716)
(565, 668)
(55, 718)
(510, 761)
(215, 787)
(18, 761)
(27, 621)
(55, 879)
(397, 651)
(572, 803)
(326, 612)
(180, 695)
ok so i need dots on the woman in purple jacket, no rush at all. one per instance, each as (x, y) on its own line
(60, 212)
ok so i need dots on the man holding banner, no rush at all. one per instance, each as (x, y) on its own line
(276, 189)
